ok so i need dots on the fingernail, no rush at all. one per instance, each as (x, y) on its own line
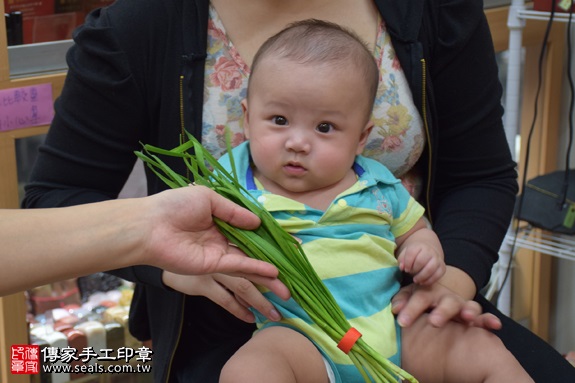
(435, 320)
(275, 315)
(402, 320)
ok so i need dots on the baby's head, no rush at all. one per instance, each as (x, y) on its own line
(307, 113)
(322, 43)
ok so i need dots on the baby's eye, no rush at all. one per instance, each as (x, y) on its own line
(280, 120)
(324, 127)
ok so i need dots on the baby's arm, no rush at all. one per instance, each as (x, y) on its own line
(420, 254)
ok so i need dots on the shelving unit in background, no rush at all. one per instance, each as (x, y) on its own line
(529, 301)
(557, 245)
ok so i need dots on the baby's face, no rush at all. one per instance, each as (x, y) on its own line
(306, 123)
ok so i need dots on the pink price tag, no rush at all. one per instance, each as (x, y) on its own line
(25, 107)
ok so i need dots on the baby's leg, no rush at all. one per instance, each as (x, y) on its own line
(457, 353)
(276, 354)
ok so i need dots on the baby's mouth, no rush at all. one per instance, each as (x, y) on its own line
(294, 168)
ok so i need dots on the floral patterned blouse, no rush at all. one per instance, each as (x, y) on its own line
(397, 139)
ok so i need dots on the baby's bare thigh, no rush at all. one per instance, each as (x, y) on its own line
(453, 353)
(276, 354)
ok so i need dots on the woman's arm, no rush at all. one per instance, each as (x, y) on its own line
(474, 176)
(172, 230)
(475, 179)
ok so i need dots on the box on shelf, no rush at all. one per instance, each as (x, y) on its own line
(51, 20)
(54, 295)
(560, 5)
(31, 10)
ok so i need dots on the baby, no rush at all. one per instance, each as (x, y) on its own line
(307, 116)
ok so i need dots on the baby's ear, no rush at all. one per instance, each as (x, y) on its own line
(364, 135)
(246, 120)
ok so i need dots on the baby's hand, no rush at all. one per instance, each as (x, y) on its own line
(422, 262)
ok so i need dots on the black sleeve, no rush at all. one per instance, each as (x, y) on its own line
(475, 176)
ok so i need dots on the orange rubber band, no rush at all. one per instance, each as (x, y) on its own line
(348, 340)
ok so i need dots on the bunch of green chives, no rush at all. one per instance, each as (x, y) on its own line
(271, 243)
